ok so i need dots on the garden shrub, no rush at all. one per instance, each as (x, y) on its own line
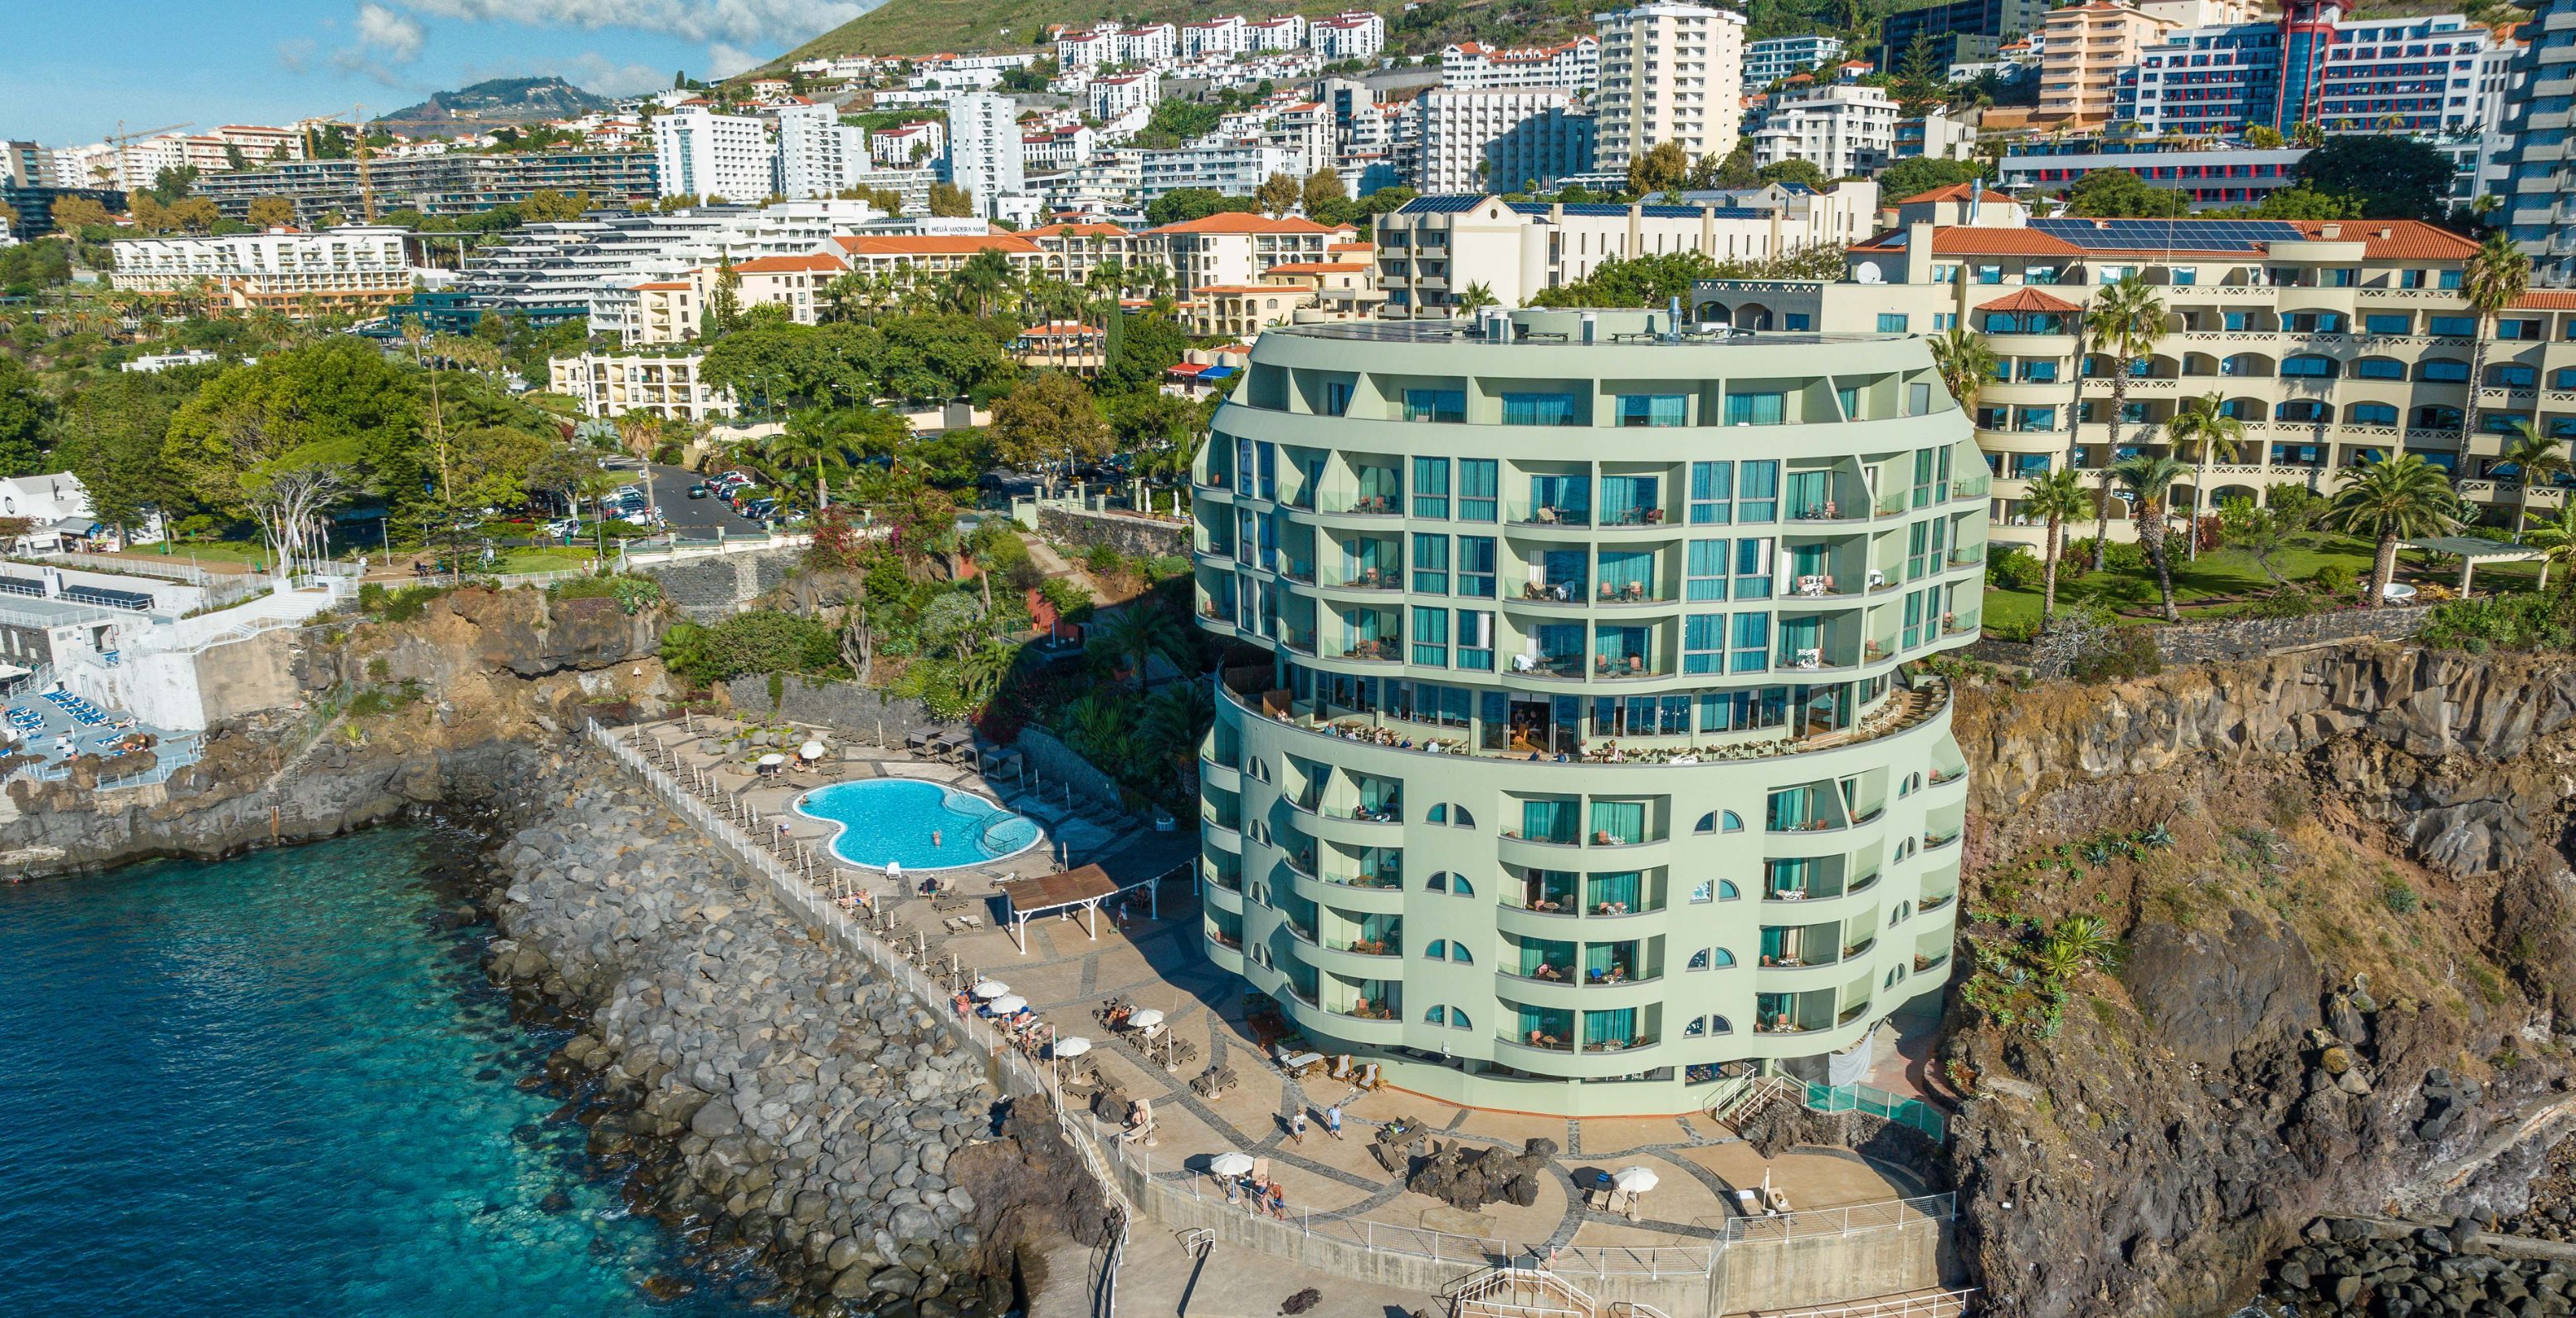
(758, 641)
(2334, 580)
(2014, 567)
(2290, 601)
(633, 594)
(2501, 622)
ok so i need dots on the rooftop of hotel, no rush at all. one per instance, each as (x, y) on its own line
(1623, 327)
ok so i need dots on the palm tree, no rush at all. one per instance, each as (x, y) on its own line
(1136, 633)
(2535, 457)
(2203, 429)
(2496, 277)
(2126, 320)
(2556, 542)
(2391, 500)
(2149, 481)
(1967, 361)
(808, 440)
(1476, 298)
(639, 433)
(2056, 498)
(984, 275)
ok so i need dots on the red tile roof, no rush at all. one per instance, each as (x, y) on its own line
(2548, 299)
(957, 245)
(788, 265)
(1954, 192)
(1245, 222)
(2394, 239)
(1070, 228)
(1972, 240)
(1316, 267)
(2030, 299)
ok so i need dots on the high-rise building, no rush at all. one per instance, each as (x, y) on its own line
(1959, 32)
(2083, 51)
(1670, 72)
(704, 154)
(2425, 75)
(1577, 780)
(1471, 141)
(1844, 129)
(2539, 189)
(1768, 61)
(818, 155)
(984, 154)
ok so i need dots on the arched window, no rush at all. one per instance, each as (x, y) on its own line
(1726, 890)
(1458, 1019)
(2379, 368)
(1699, 959)
(1704, 890)
(1913, 783)
(1439, 814)
(1458, 953)
(1439, 949)
(1438, 1015)
(2308, 366)
(1437, 883)
(1904, 848)
(1697, 1026)
(1707, 823)
(1720, 1025)
(1463, 819)
(1895, 976)
(1720, 958)
(2443, 370)
(1459, 887)
(1904, 912)
(2374, 414)
(1730, 822)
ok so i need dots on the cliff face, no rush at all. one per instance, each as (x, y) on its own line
(2341, 884)
(394, 716)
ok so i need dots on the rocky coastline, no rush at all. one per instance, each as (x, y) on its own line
(762, 1092)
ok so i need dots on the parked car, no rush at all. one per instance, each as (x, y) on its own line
(563, 528)
(698, 490)
(759, 509)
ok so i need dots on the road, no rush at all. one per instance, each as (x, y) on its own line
(686, 517)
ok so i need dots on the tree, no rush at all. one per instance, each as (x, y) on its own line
(819, 441)
(2390, 500)
(1156, 430)
(1917, 175)
(2535, 458)
(984, 275)
(110, 435)
(2117, 193)
(1921, 81)
(73, 214)
(548, 205)
(1658, 168)
(949, 200)
(1476, 298)
(1181, 205)
(724, 301)
(25, 412)
(2202, 428)
(2149, 481)
(1135, 634)
(1278, 194)
(271, 212)
(1638, 281)
(1323, 192)
(1142, 346)
(2264, 137)
(1967, 362)
(1049, 422)
(2386, 176)
(2055, 498)
(2556, 542)
(1792, 171)
(2496, 277)
(2126, 321)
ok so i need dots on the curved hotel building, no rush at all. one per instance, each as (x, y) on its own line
(1585, 770)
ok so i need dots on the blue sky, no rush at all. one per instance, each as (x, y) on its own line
(74, 69)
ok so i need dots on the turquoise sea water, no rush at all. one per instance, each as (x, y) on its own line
(279, 1085)
(922, 825)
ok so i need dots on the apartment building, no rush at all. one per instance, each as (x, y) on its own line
(1233, 169)
(1670, 72)
(357, 267)
(1221, 37)
(1844, 129)
(2539, 180)
(818, 155)
(2334, 342)
(984, 148)
(2427, 75)
(2084, 51)
(1356, 34)
(1055, 148)
(455, 183)
(1433, 247)
(1474, 140)
(912, 258)
(665, 311)
(1119, 93)
(1960, 31)
(2225, 174)
(664, 385)
(1569, 65)
(699, 153)
(1303, 127)
(1775, 58)
(794, 284)
(910, 144)
(1287, 32)
(1237, 249)
(1417, 840)
(1071, 252)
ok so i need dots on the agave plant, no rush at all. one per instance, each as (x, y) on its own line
(2085, 938)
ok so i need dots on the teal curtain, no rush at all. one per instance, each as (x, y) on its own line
(1617, 644)
(1538, 410)
(1625, 499)
(1775, 942)
(1789, 875)
(1609, 1027)
(1623, 568)
(1624, 821)
(1619, 888)
(1570, 496)
(1547, 821)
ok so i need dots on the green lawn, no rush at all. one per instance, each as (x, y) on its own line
(2225, 581)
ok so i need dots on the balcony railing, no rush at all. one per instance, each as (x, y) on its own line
(1393, 946)
(1547, 514)
(1363, 505)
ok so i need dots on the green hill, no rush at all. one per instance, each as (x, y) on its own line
(925, 27)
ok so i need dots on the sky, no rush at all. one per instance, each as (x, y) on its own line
(72, 71)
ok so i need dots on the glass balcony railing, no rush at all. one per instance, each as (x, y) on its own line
(1548, 514)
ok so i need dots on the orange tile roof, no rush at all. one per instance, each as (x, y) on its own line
(788, 265)
(1249, 288)
(1971, 240)
(956, 245)
(2030, 299)
(2548, 299)
(665, 285)
(2395, 239)
(1246, 222)
(1316, 267)
(1075, 229)
(1954, 192)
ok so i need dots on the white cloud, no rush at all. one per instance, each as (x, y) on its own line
(594, 73)
(735, 22)
(394, 35)
(725, 60)
(296, 54)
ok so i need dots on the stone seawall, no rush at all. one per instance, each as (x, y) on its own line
(1136, 537)
(707, 589)
(764, 1086)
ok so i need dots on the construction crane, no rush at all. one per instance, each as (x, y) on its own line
(356, 123)
(118, 139)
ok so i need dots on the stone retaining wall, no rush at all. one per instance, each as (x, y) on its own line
(1058, 766)
(2252, 638)
(1135, 537)
(709, 588)
(856, 712)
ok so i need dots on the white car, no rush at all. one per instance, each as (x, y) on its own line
(563, 527)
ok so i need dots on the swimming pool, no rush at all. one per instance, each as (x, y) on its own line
(921, 825)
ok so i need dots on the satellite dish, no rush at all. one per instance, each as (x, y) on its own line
(1869, 273)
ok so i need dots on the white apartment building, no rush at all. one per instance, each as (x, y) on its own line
(1473, 66)
(610, 385)
(1055, 148)
(794, 283)
(1305, 128)
(1233, 169)
(984, 147)
(1094, 49)
(1770, 60)
(1844, 129)
(910, 144)
(699, 153)
(1287, 32)
(1235, 249)
(356, 267)
(1356, 34)
(1117, 94)
(1217, 36)
(1472, 141)
(1670, 72)
(1154, 43)
(818, 155)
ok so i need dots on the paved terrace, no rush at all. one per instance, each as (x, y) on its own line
(1331, 1187)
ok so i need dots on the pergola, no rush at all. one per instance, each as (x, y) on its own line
(1081, 889)
(2473, 551)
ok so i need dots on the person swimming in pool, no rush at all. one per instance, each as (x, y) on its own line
(934, 839)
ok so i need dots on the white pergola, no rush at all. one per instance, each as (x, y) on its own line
(2473, 551)
(1082, 889)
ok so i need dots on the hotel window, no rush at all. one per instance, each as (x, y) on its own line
(1654, 409)
(1475, 647)
(2183, 276)
(1758, 491)
(1435, 405)
(1476, 566)
(1431, 637)
(2374, 414)
(1755, 410)
(2518, 329)
(2442, 370)
(1550, 409)
(1431, 564)
(1478, 480)
(1431, 487)
(2382, 322)
(1891, 322)
(1752, 648)
(1712, 493)
(1704, 643)
(1337, 397)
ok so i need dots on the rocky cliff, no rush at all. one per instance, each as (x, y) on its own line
(394, 716)
(2339, 888)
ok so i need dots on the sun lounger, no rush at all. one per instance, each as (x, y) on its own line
(1367, 1077)
(1302, 1063)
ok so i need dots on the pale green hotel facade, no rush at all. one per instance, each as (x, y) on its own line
(1482, 557)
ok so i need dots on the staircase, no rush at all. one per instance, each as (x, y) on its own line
(1534, 1293)
(1759, 1095)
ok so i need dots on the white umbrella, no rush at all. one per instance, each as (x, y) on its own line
(812, 750)
(1230, 1164)
(1146, 1019)
(1008, 1003)
(1633, 1180)
(1072, 1045)
(989, 989)
(772, 760)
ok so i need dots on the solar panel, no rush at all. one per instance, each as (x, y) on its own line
(2192, 234)
(1450, 204)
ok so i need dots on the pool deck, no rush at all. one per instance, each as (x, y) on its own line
(1330, 1185)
